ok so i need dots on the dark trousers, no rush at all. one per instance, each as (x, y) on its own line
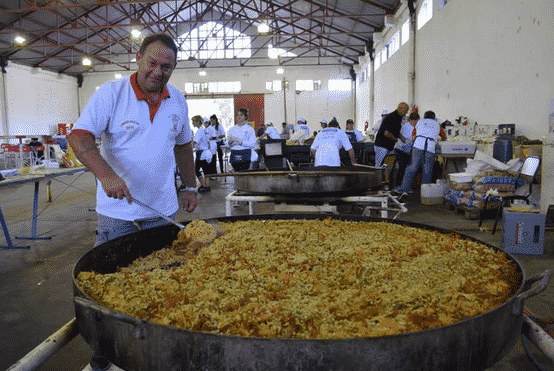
(220, 156)
(403, 160)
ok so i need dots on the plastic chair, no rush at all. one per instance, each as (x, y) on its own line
(529, 169)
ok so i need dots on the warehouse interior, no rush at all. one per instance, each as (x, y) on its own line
(479, 65)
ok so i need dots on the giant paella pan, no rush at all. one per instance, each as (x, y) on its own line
(136, 344)
(311, 180)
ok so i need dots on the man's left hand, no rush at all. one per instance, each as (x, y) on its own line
(189, 201)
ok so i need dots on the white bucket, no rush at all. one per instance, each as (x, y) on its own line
(432, 194)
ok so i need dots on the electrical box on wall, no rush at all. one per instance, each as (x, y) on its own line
(523, 233)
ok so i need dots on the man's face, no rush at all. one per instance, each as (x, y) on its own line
(155, 67)
(350, 126)
(403, 109)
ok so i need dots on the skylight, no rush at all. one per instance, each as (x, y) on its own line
(214, 41)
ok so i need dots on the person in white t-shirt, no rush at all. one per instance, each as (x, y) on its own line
(242, 141)
(143, 125)
(205, 158)
(328, 143)
(426, 132)
(404, 149)
(212, 137)
(271, 132)
(302, 124)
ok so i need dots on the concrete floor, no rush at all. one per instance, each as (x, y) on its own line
(36, 296)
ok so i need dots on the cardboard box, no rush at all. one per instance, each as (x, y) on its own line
(522, 151)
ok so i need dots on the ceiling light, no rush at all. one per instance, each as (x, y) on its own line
(263, 28)
(202, 73)
(118, 76)
(136, 33)
(19, 40)
(86, 61)
(280, 71)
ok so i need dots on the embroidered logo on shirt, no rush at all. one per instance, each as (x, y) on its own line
(175, 120)
(130, 125)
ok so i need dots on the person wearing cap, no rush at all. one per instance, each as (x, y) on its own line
(302, 125)
(323, 123)
(354, 135)
(327, 144)
(378, 124)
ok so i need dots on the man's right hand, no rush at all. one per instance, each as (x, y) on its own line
(115, 187)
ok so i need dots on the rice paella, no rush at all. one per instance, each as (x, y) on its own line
(311, 279)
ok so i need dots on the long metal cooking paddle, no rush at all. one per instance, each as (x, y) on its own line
(158, 213)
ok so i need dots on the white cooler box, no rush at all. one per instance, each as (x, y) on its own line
(457, 148)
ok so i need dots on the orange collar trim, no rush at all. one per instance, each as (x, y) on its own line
(140, 94)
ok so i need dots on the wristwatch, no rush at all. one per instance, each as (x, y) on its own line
(191, 189)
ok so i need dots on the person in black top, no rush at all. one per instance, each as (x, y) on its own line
(389, 133)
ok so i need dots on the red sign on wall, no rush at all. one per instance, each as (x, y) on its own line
(254, 103)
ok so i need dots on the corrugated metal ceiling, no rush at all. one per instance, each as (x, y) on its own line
(60, 32)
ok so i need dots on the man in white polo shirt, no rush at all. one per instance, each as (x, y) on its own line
(143, 125)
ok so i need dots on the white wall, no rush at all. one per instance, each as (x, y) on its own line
(312, 105)
(37, 101)
(492, 61)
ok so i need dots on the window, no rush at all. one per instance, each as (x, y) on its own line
(275, 53)
(384, 55)
(406, 32)
(308, 85)
(276, 85)
(394, 44)
(212, 87)
(425, 13)
(377, 61)
(340, 85)
(214, 41)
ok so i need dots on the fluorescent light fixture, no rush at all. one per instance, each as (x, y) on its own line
(118, 75)
(263, 28)
(202, 73)
(20, 40)
(135, 33)
(86, 62)
(280, 71)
